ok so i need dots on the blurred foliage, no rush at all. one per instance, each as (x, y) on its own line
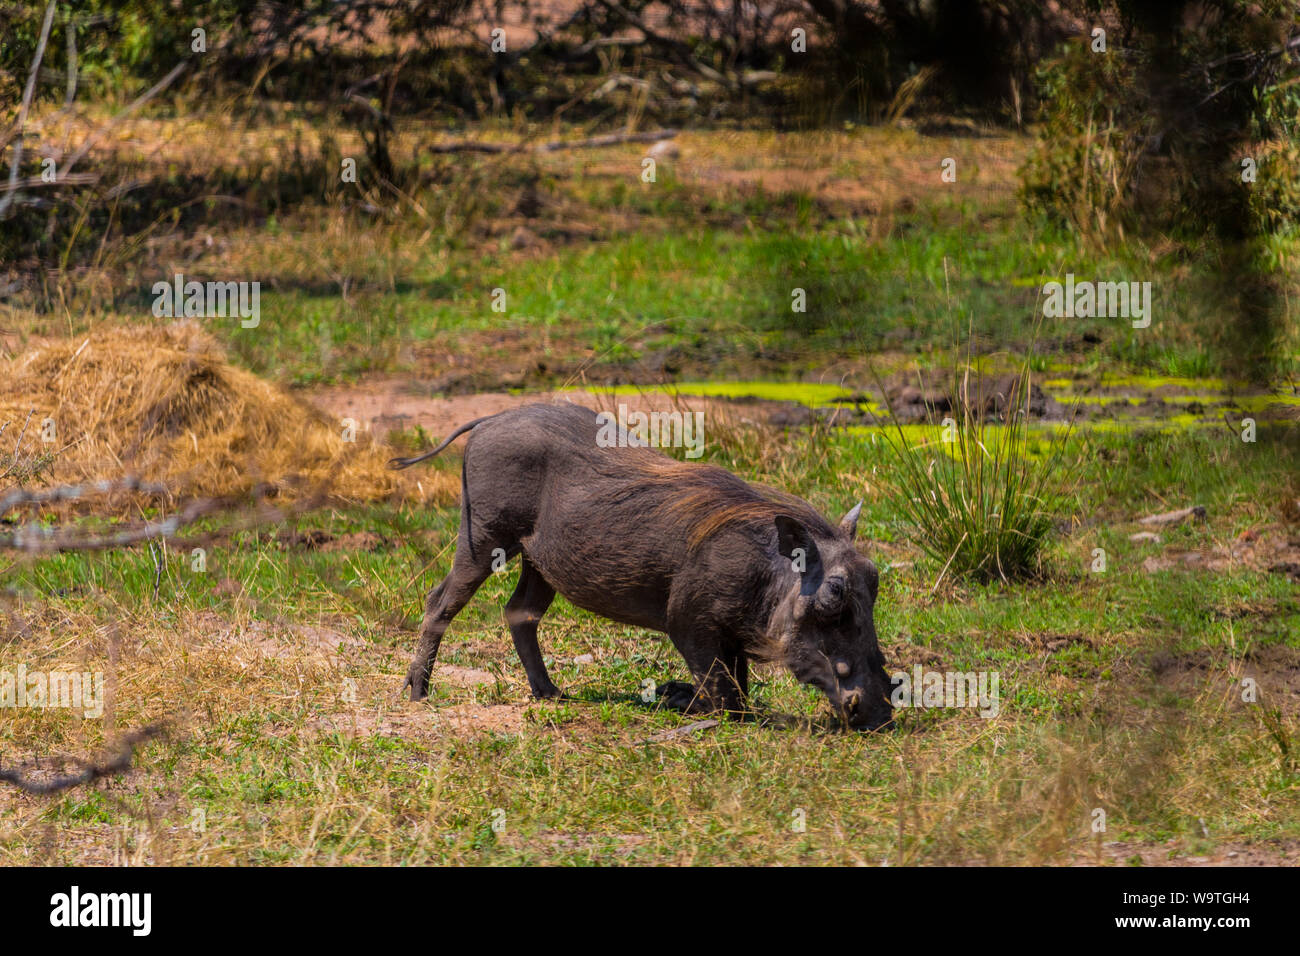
(1156, 136)
(1275, 197)
(142, 39)
(1093, 137)
(1150, 133)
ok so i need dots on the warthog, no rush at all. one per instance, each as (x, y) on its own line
(728, 571)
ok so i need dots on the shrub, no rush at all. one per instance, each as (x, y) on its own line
(982, 501)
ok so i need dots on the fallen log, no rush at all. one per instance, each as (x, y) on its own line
(594, 142)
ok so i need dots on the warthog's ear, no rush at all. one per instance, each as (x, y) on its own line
(795, 544)
(849, 523)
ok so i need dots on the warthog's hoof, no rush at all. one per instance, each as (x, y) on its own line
(419, 688)
(676, 694)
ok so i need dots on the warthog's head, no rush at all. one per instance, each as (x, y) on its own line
(823, 626)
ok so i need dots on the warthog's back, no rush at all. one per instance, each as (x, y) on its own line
(608, 527)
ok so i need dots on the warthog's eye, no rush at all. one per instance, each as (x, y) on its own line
(831, 596)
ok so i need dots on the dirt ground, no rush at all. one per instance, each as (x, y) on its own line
(386, 404)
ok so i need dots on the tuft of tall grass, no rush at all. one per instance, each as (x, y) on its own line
(983, 497)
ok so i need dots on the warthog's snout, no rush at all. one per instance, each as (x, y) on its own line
(862, 711)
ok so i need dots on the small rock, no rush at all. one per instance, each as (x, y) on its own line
(584, 659)
(1153, 565)
(1146, 536)
(664, 149)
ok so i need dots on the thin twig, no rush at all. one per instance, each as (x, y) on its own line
(36, 182)
(72, 62)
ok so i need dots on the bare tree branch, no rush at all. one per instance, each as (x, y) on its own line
(42, 539)
(17, 160)
(71, 93)
(90, 771)
(139, 101)
(680, 51)
(610, 139)
(22, 496)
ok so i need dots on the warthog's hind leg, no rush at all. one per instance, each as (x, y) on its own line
(444, 603)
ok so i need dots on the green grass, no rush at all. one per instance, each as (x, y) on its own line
(285, 771)
(717, 296)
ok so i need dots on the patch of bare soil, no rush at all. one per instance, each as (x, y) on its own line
(260, 640)
(1274, 669)
(378, 710)
(402, 719)
(482, 718)
(1055, 643)
(392, 403)
(620, 844)
(389, 404)
(904, 656)
(386, 404)
(317, 540)
(1270, 548)
(1176, 853)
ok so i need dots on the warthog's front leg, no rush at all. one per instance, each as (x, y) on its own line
(721, 676)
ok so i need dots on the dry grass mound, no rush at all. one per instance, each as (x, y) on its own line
(165, 405)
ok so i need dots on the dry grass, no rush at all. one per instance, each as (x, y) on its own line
(164, 404)
(290, 745)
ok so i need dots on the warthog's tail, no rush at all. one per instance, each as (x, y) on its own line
(396, 463)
